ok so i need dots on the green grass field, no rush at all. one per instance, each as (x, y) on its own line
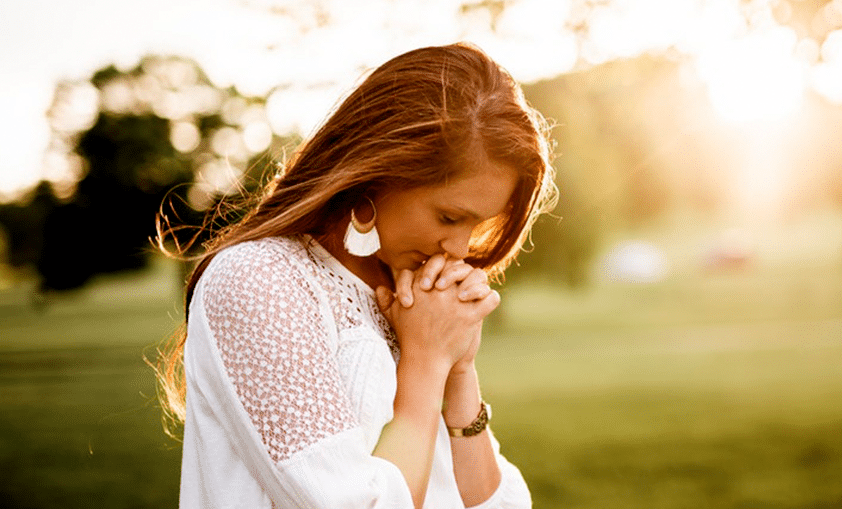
(675, 402)
(719, 391)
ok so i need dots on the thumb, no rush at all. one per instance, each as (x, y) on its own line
(385, 298)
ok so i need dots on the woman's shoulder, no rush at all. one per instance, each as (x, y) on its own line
(271, 260)
(272, 251)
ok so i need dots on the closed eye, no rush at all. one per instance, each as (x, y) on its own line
(446, 219)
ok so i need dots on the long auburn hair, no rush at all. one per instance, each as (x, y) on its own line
(418, 120)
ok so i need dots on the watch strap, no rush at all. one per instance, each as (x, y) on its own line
(476, 427)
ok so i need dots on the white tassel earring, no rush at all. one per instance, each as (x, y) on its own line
(362, 239)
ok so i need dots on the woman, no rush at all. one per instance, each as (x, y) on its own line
(331, 333)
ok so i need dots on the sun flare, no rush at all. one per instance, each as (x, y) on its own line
(756, 77)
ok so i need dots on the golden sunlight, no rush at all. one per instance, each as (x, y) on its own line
(756, 77)
(827, 75)
(303, 56)
(762, 176)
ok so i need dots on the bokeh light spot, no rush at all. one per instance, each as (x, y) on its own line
(185, 136)
(257, 136)
(226, 142)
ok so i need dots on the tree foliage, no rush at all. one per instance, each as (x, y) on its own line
(158, 137)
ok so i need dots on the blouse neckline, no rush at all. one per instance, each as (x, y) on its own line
(334, 264)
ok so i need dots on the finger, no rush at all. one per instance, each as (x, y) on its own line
(385, 298)
(488, 304)
(477, 277)
(474, 277)
(453, 273)
(474, 292)
(403, 288)
(430, 271)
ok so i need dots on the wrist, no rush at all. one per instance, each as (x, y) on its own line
(421, 381)
(476, 426)
(462, 399)
(463, 368)
(423, 366)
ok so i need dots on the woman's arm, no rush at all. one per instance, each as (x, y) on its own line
(475, 466)
(434, 333)
(474, 462)
(408, 440)
(264, 376)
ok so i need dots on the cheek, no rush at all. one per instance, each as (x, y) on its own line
(408, 222)
(404, 237)
(410, 233)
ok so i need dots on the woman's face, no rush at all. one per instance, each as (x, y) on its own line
(418, 223)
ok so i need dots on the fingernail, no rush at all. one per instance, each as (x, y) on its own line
(441, 284)
(463, 295)
(406, 302)
(426, 283)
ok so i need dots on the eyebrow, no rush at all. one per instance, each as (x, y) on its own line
(467, 212)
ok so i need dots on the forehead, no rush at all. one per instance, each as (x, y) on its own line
(484, 193)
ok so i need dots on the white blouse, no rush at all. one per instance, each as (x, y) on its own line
(290, 370)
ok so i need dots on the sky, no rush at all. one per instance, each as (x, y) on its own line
(750, 72)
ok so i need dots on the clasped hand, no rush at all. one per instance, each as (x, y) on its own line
(437, 311)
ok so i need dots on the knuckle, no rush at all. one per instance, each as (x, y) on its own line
(451, 263)
(480, 275)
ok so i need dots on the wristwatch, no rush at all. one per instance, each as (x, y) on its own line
(476, 427)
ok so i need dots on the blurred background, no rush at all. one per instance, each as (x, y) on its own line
(673, 340)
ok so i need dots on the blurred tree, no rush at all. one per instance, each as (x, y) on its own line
(23, 223)
(561, 244)
(608, 176)
(158, 137)
(105, 224)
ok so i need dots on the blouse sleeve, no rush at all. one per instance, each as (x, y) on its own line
(269, 322)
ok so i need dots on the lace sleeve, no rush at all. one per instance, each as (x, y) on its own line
(265, 316)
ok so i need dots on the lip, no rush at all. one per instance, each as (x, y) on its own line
(418, 258)
(421, 257)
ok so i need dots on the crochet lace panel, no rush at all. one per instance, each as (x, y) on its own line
(352, 306)
(261, 305)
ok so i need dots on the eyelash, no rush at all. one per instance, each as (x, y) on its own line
(447, 220)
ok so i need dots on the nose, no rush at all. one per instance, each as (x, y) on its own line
(456, 244)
